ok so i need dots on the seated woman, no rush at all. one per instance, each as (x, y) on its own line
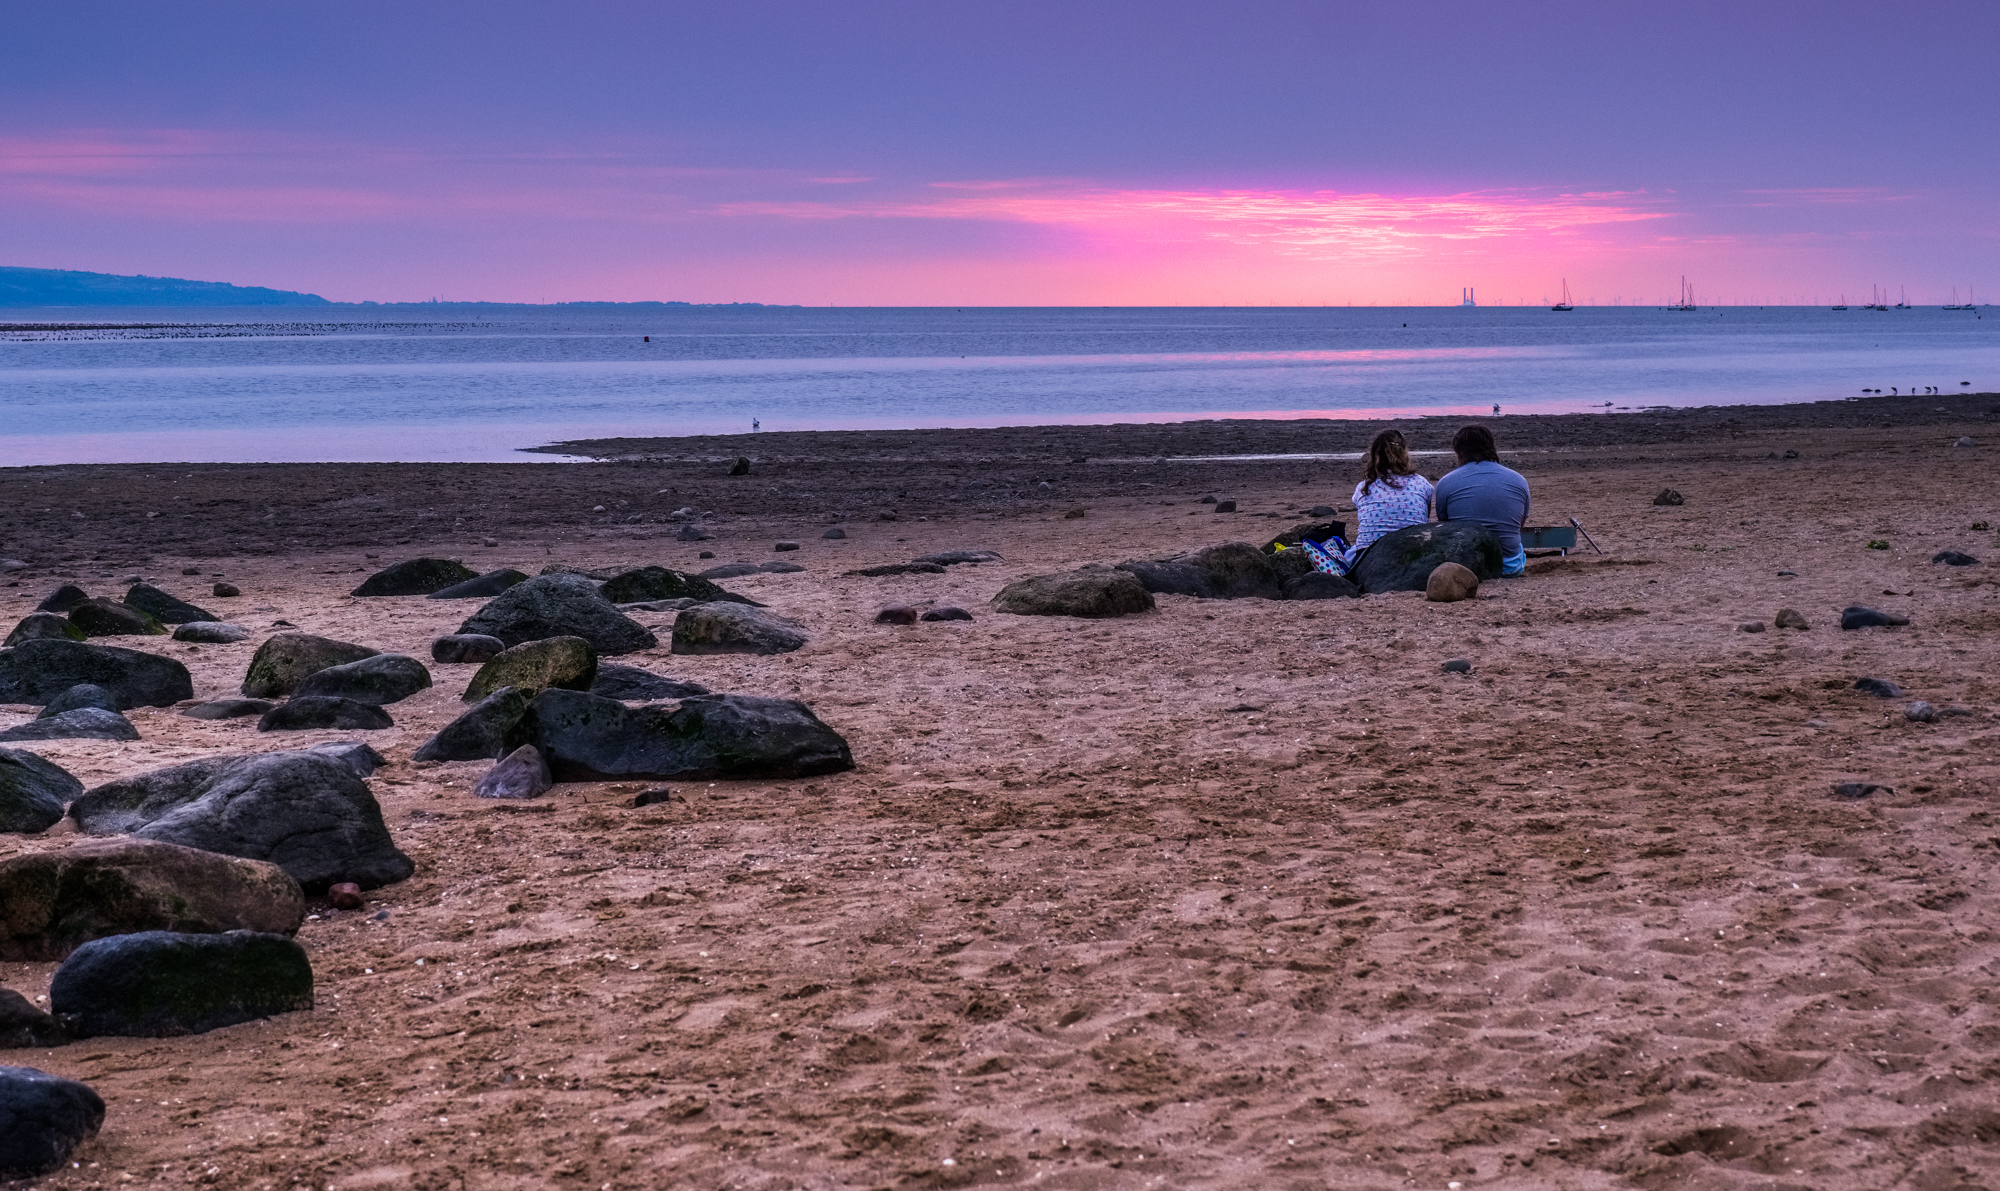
(1390, 495)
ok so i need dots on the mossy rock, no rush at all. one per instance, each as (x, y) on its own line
(283, 661)
(418, 576)
(106, 617)
(566, 662)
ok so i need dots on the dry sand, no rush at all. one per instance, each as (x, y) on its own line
(1232, 894)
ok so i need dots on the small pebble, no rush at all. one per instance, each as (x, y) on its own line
(783, 547)
(652, 797)
(1788, 574)
(834, 534)
(1953, 558)
(1458, 666)
(1791, 618)
(706, 554)
(897, 614)
(226, 590)
(1750, 626)
(1964, 442)
(190, 570)
(345, 896)
(1206, 500)
(489, 541)
(947, 613)
(1880, 687)
(1225, 506)
(1077, 515)
(1920, 712)
(1859, 790)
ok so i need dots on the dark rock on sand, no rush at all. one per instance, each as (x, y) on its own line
(163, 607)
(653, 797)
(1855, 790)
(1952, 558)
(106, 617)
(1791, 618)
(781, 567)
(660, 583)
(1225, 506)
(1093, 593)
(33, 792)
(212, 632)
(1229, 571)
(560, 606)
(1321, 511)
(43, 626)
(567, 662)
(587, 737)
(782, 547)
(1668, 496)
(483, 732)
(492, 583)
(45, 1117)
(21, 1026)
(62, 599)
(1318, 585)
(321, 711)
(952, 558)
(228, 709)
(462, 648)
(693, 533)
(740, 468)
(1858, 617)
(52, 902)
(380, 679)
(1920, 712)
(1458, 666)
(734, 628)
(1750, 626)
(306, 812)
(1403, 559)
(1881, 688)
(83, 694)
(732, 570)
(226, 590)
(522, 774)
(82, 723)
(601, 574)
(898, 568)
(835, 534)
(161, 984)
(1313, 531)
(283, 661)
(356, 755)
(629, 684)
(897, 614)
(1449, 583)
(418, 576)
(37, 671)
(947, 613)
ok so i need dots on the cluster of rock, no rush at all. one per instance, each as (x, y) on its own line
(72, 614)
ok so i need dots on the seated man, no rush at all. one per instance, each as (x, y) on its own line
(1481, 490)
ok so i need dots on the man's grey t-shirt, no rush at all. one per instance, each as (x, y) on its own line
(1494, 496)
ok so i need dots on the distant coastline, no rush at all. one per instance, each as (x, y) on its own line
(64, 288)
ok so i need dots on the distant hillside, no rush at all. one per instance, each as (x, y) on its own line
(63, 287)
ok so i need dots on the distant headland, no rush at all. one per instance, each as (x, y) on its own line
(67, 287)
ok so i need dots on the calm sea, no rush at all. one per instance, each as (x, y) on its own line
(459, 383)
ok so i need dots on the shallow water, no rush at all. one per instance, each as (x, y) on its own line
(457, 383)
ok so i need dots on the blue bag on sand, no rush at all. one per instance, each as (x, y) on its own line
(1326, 562)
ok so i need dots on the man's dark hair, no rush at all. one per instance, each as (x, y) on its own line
(1474, 444)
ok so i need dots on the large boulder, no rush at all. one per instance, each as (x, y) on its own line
(484, 732)
(284, 660)
(1094, 592)
(106, 617)
(1403, 559)
(560, 606)
(83, 694)
(43, 626)
(658, 583)
(418, 576)
(586, 737)
(630, 684)
(1230, 571)
(43, 1118)
(33, 792)
(382, 678)
(480, 587)
(734, 628)
(37, 671)
(62, 599)
(163, 607)
(82, 723)
(52, 902)
(305, 812)
(159, 984)
(531, 666)
(306, 712)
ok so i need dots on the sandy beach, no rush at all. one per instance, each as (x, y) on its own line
(1230, 894)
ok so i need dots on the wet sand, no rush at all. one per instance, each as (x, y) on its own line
(1231, 894)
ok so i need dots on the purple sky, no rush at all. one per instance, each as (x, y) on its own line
(1008, 153)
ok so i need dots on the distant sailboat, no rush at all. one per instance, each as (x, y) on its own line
(1687, 298)
(1969, 303)
(1902, 298)
(1843, 303)
(1875, 301)
(1564, 304)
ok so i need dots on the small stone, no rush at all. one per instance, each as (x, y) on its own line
(1451, 582)
(835, 534)
(897, 568)
(1788, 574)
(162, 607)
(1668, 496)
(190, 570)
(226, 590)
(462, 648)
(734, 628)
(1791, 618)
(319, 711)
(1207, 500)
(897, 614)
(1953, 558)
(521, 774)
(12, 564)
(211, 632)
(1956, 711)
(1858, 790)
(1073, 515)
(345, 896)
(694, 533)
(228, 709)
(952, 558)
(1750, 626)
(782, 547)
(1321, 511)
(706, 554)
(381, 679)
(1964, 441)
(1083, 593)
(946, 613)
(83, 694)
(889, 514)
(47, 1118)
(62, 599)
(1859, 617)
(1791, 454)
(1879, 687)
(1921, 712)
(492, 583)
(1458, 666)
(489, 541)
(653, 797)
(740, 468)
(1225, 506)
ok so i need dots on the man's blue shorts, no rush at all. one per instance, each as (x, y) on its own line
(1515, 563)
